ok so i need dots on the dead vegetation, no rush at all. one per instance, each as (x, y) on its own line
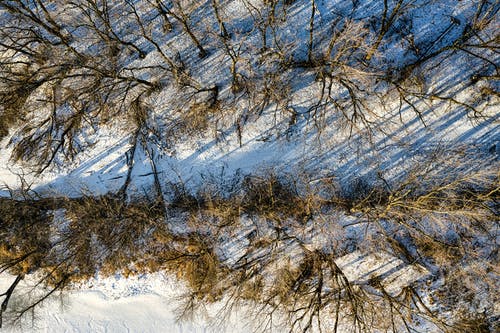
(67, 68)
(82, 67)
(443, 224)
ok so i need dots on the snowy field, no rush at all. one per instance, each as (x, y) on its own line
(149, 302)
(433, 126)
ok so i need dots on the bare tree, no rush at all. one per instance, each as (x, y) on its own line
(181, 12)
(69, 67)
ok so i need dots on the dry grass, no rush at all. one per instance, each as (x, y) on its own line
(12, 106)
(7, 118)
(443, 219)
(107, 235)
(24, 230)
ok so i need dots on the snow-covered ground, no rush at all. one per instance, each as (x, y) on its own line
(399, 137)
(150, 302)
(400, 140)
(140, 304)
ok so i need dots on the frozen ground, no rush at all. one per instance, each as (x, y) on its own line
(142, 304)
(149, 302)
(398, 137)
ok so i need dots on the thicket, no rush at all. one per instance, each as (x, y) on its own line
(442, 225)
(68, 67)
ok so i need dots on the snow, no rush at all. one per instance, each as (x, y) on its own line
(102, 168)
(137, 304)
(360, 268)
(147, 303)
